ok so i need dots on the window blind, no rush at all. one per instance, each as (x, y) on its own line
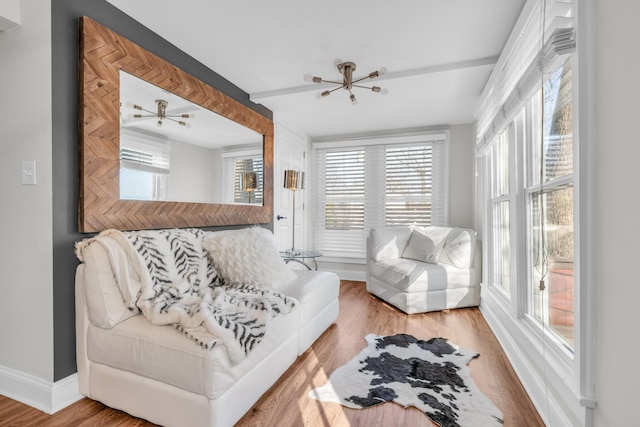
(144, 152)
(247, 165)
(519, 70)
(409, 185)
(376, 183)
(235, 162)
(344, 189)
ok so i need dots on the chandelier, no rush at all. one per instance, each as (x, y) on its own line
(346, 69)
(161, 113)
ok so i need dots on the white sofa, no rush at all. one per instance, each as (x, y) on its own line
(422, 269)
(160, 374)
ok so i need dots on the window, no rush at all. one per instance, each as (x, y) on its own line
(379, 182)
(550, 199)
(501, 205)
(344, 180)
(236, 163)
(548, 334)
(531, 222)
(247, 195)
(408, 184)
(144, 167)
(547, 196)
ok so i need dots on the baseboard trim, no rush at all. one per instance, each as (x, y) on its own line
(43, 395)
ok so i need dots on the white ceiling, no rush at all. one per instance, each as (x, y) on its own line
(438, 54)
(205, 128)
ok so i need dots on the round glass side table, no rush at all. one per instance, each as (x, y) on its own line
(301, 257)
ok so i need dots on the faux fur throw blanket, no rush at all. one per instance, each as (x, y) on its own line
(170, 279)
(431, 375)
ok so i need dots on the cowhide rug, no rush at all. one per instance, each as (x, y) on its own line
(431, 375)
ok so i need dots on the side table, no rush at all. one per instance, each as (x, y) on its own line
(300, 257)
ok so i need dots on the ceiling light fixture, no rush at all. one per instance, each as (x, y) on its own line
(161, 114)
(347, 69)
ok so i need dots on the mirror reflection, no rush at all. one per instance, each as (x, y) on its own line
(174, 150)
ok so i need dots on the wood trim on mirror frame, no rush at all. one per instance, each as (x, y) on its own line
(103, 54)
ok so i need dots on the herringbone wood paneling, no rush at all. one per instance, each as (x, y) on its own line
(103, 54)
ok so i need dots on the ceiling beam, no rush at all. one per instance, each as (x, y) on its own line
(454, 66)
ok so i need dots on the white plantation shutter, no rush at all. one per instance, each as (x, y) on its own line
(247, 165)
(144, 166)
(409, 185)
(344, 189)
(338, 215)
(519, 70)
(377, 182)
(234, 163)
(144, 152)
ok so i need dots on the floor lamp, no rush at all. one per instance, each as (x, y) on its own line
(249, 182)
(294, 181)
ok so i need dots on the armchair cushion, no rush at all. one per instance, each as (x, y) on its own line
(426, 244)
(459, 248)
(389, 242)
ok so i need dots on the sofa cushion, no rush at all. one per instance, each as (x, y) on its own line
(315, 290)
(388, 242)
(249, 256)
(416, 276)
(459, 248)
(106, 306)
(163, 354)
(426, 244)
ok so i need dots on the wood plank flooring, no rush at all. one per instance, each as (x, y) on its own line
(287, 404)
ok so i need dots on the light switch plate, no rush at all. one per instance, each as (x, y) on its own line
(28, 172)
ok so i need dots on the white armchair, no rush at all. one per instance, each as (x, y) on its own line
(421, 269)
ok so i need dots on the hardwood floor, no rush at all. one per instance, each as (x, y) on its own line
(287, 404)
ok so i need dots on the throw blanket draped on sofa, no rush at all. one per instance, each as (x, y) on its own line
(166, 274)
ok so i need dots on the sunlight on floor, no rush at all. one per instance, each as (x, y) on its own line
(337, 416)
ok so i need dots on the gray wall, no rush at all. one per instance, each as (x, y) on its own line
(65, 48)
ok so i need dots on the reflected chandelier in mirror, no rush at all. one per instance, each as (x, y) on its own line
(103, 55)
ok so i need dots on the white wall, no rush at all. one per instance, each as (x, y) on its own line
(194, 176)
(617, 213)
(462, 176)
(26, 253)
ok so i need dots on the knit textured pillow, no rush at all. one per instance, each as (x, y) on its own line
(249, 256)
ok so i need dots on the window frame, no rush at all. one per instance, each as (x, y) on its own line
(496, 197)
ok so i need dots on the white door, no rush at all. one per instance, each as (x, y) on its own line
(289, 153)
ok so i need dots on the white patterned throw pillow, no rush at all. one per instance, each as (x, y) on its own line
(249, 256)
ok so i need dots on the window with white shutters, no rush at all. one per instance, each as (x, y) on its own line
(144, 167)
(241, 195)
(235, 163)
(373, 183)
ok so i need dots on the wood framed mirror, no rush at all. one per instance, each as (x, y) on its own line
(103, 56)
